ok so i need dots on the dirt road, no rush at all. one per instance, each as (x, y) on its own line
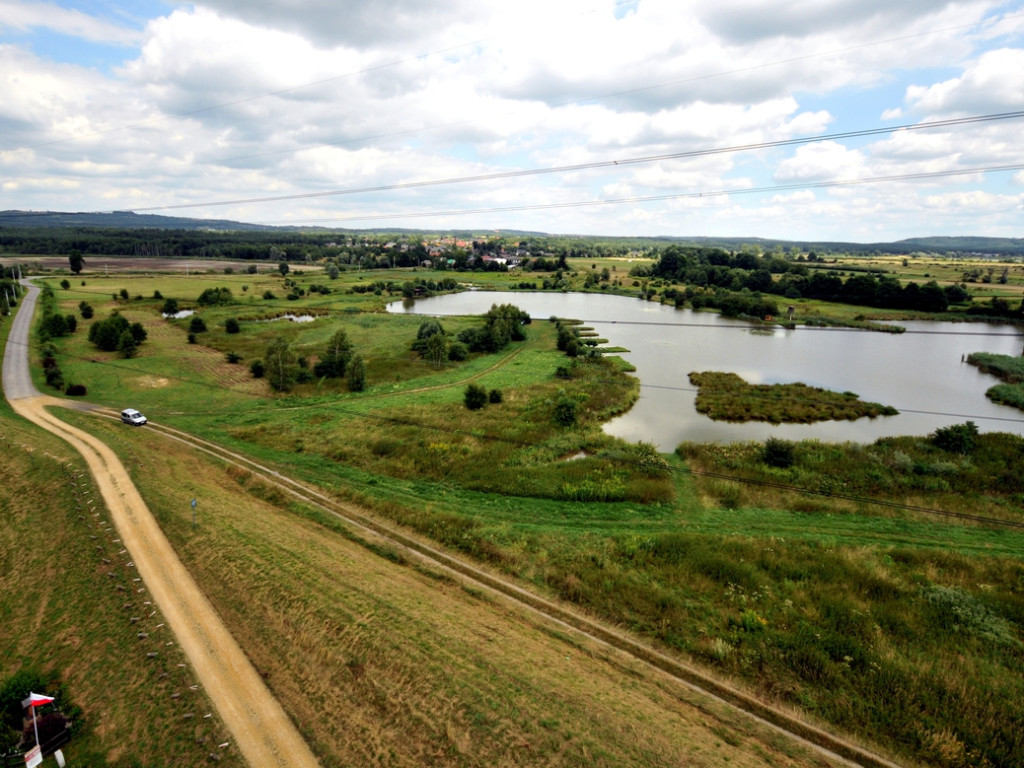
(262, 731)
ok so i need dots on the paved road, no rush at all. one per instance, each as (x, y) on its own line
(260, 728)
(17, 381)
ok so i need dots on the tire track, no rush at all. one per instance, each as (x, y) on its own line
(829, 745)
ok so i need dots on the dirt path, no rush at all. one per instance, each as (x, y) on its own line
(262, 731)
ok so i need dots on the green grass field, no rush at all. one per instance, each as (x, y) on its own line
(853, 611)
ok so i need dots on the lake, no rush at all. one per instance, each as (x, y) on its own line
(919, 372)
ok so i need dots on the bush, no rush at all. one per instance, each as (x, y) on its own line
(191, 338)
(231, 325)
(457, 352)
(75, 390)
(565, 412)
(233, 357)
(86, 309)
(475, 397)
(106, 334)
(196, 325)
(494, 396)
(212, 296)
(170, 307)
(257, 369)
(54, 377)
(956, 438)
(778, 453)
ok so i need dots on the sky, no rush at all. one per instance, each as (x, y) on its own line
(800, 120)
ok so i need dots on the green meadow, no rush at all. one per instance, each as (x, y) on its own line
(892, 621)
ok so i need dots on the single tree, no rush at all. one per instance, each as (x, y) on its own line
(356, 375)
(127, 346)
(76, 261)
(281, 369)
(437, 349)
(335, 356)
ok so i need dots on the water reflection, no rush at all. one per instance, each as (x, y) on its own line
(919, 372)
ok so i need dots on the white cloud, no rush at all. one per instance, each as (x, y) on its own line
(822, 161)
(229, 100)
(23, 16)
(994, 83)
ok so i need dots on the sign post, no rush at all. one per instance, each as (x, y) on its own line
(193, 513)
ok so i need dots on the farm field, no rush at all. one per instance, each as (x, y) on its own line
(848, 610)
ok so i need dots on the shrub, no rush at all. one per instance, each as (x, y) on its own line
(191, 338)
(212, 296)
(257, 369)
(956, 438)
(494, 396)
(565, 412)
(54, 377)
(106, 334)
(170, 307)
(233, 357)
(196, 325)
(231, 325)
(457, 351)
(86, 309)
(269, 295)
(778, 453)
(75, 390)
(475, 397)
(65, 284)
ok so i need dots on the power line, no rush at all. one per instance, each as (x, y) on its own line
(675, 196)
(617, 94)
(620, 459)
(688, 154)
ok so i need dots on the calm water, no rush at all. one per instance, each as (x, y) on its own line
(918, 372)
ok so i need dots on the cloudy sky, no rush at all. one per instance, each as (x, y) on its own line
(605, 117)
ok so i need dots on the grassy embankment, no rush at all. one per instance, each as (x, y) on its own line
(1009, 369)
(383, 662)
(67, 599)
(727, 397)
(775, 588)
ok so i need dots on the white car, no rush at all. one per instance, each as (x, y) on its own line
(133, 417)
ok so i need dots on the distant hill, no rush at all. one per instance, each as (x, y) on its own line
(1000, 245)
(119, 220)
(127, 220)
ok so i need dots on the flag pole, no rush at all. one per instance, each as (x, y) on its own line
(35, 727)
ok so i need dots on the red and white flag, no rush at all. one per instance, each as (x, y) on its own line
(38, 699)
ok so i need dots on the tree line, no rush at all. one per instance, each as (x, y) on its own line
(713, 268)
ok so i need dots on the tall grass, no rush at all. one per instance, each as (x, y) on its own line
(67, 599)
